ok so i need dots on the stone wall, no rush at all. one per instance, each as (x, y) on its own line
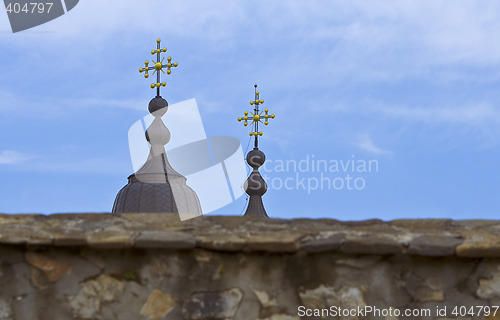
(152, 266)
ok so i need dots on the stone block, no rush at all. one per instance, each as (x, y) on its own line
(212, 304)
(434, 245)
(276, 242)
(322, 243)
(87, 303)
(170, 240)
(158, 305)
(371, 244)
(110, 239)
(221, 242)
(5, 310)
(479, 245)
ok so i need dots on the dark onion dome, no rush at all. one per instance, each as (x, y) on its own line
(255, 186)
(138, 196)
(156, 186)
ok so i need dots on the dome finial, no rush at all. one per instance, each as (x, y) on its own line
(157, 186)
(255, 186)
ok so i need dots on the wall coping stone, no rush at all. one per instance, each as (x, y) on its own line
(421, 237)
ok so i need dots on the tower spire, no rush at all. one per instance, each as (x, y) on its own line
(157, 186)
(255, 186)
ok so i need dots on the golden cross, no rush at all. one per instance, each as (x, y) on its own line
(158, 66)
(256, 116)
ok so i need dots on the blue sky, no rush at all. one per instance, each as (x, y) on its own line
(412, 85)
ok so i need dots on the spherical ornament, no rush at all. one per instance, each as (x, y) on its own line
(245, 124)
(251, 134)
(256, 101)
(257, 93)
(146, 63)
(164, 84)
(153, 52)
(239, 119)
(260, 133)
(245, 118)
(261, 101)
(169, 59)
(164, 49)
(158, 65)
(158, 40)
(152, 86)
(158, 50)
(256, 118)
(246, 112)
(157, 106)
(272, 116)
(169, 65)
(256, 158)
(169, 72)
(146, 75)
(266, 123)
(158, 85)
(175, 64)
(141, 70)
(266, 116)
(251, 103)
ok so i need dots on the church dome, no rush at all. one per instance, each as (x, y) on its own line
(156, 186)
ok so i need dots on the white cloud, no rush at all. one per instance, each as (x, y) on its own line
(96, 21)
(93, 165)
(428, 29)
(476, 115)
(51, 106)
(365, 143)
(312, 43)
(60, 163)
(14, 157)
(134, 104)
(386, 40)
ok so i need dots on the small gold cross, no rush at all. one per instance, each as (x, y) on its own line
(256, 116)
(158, 66)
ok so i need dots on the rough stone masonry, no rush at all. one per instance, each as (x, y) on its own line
(132, 267)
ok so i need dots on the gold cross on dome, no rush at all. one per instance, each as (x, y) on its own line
(158, 66)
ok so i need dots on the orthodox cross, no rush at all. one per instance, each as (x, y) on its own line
(158, 66)
(256, 117)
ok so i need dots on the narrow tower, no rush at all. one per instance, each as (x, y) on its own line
(255, 186)
(156, 186)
